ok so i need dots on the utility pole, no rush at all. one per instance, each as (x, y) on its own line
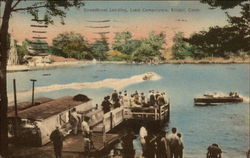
(33, 89)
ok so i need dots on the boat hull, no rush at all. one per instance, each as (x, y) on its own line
(218, 100)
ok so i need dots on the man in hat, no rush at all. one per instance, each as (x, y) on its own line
(86, 134)
(126, 99)
(106, 105)
(114, 96)
(57, 138)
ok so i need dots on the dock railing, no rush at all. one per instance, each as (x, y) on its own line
(147, 113)
(116, 116)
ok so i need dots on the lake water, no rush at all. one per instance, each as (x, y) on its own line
(226, 125)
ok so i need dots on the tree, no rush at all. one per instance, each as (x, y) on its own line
(180, 48)
(121, 42)
(227, 40)
(100, 47)
(51, 8)
(72, 45)
(115, 55)
(22, 50)
(150, 47)
(223, 4)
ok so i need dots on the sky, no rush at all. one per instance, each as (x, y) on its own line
(138, 17)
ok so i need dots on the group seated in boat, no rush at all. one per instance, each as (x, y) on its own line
(134, 100)
(233, 94)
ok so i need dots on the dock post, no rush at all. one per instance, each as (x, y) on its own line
(33, 89)
(168, 117)
(15, 103)
(103, 133)
(111, 120)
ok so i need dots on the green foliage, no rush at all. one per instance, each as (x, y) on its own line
(71, 45)
(38, 46)
(99, 48)
(223, 4)
(122, 42)
(51, 8)
(181, 49)
(149, 48)
(22, 50)
(115, 55)
(225, 41)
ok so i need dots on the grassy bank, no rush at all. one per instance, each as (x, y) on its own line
(14, 68)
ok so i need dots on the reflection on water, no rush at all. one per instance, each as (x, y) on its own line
(226, 124)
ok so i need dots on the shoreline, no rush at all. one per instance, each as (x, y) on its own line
(45, 66)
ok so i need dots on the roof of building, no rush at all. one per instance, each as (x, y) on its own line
(51, 108)
(27, 104)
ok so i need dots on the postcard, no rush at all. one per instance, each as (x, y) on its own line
(124, 79)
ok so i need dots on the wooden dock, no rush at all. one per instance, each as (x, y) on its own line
(74, 143)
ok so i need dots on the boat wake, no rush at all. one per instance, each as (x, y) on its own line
(245, 99)
(112, 83)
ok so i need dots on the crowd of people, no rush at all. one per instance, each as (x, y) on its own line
(161, 145)
(78, 124)
(153, 144)
(135, 99)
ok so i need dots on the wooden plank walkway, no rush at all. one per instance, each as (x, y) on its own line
(74, 143)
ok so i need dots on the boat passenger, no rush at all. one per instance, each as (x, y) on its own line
(106, 105)
(214, 151)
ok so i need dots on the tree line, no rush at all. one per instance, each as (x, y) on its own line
(124, 47)
(231, 40)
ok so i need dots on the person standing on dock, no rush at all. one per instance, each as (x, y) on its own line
(150, 147)
(57, 138)
(86, 134)
(143, 100)
(127, 144)
(163, 149)
(74, 121)
(152, 98)
(214, 151)
(248, 153)
(120, 96)
(106, 105)
(161, 99)
(126, 101)
(143, 133)
(180, 146)
(114, 96)
(174, 142)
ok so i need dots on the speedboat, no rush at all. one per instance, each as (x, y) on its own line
(211, 99)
